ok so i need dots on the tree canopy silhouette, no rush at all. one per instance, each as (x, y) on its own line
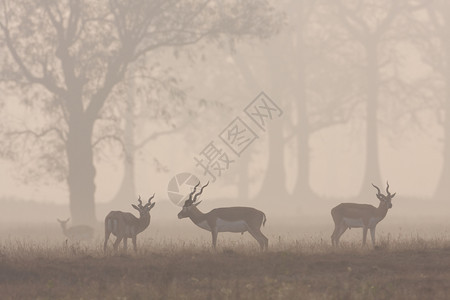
(66, 59)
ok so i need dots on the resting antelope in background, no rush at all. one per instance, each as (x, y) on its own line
(226, 219)
(76, 233)
(125, 225)
(354, 215)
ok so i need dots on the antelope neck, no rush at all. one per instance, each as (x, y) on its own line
(143, 223)
(196, 215)
(64, 228)
(382, 211)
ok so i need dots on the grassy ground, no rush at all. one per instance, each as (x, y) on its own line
(404, 268)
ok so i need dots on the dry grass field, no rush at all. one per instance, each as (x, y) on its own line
(407, 266)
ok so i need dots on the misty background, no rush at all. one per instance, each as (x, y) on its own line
(103, 101)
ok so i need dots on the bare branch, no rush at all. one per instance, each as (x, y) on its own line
(158, 134)
(345, 14)
(109, 137)
(175, 41)
(46, 81)
(38, 135)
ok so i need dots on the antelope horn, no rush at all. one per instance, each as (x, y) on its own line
(199, 193)
(387, 188)
(150, 199)
(379, 192)
(140, 201)
(193, 191)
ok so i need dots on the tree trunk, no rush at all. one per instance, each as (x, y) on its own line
(372, 162)
(244, 161)
(274, 183)
(81, 171)
(443, 187)
(243, 183)
(274, 187)
(127, 189)
(302, 189)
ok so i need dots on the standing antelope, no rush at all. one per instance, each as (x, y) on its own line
(76, 233)
(225, 219)
(354, 215)
(125, 225)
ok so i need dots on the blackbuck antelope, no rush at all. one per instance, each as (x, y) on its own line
(225, 219)
(125, 225)
(76, 233)
(354, 215)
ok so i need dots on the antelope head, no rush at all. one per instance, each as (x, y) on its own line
(144, 209)
(385, 199)
(63, 223)
(190, 203)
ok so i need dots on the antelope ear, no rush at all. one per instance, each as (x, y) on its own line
(151, 206)
(392, 196)
(135, 207)
(198, 203)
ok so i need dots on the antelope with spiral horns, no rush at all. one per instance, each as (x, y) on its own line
(365, 216)
(225, 219)
(125, 225)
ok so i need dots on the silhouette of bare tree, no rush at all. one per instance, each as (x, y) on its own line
(76, 53)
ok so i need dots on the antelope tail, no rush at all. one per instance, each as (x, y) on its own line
(264, 220)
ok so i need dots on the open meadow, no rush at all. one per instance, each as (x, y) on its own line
(291, 122)
(174, 262)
